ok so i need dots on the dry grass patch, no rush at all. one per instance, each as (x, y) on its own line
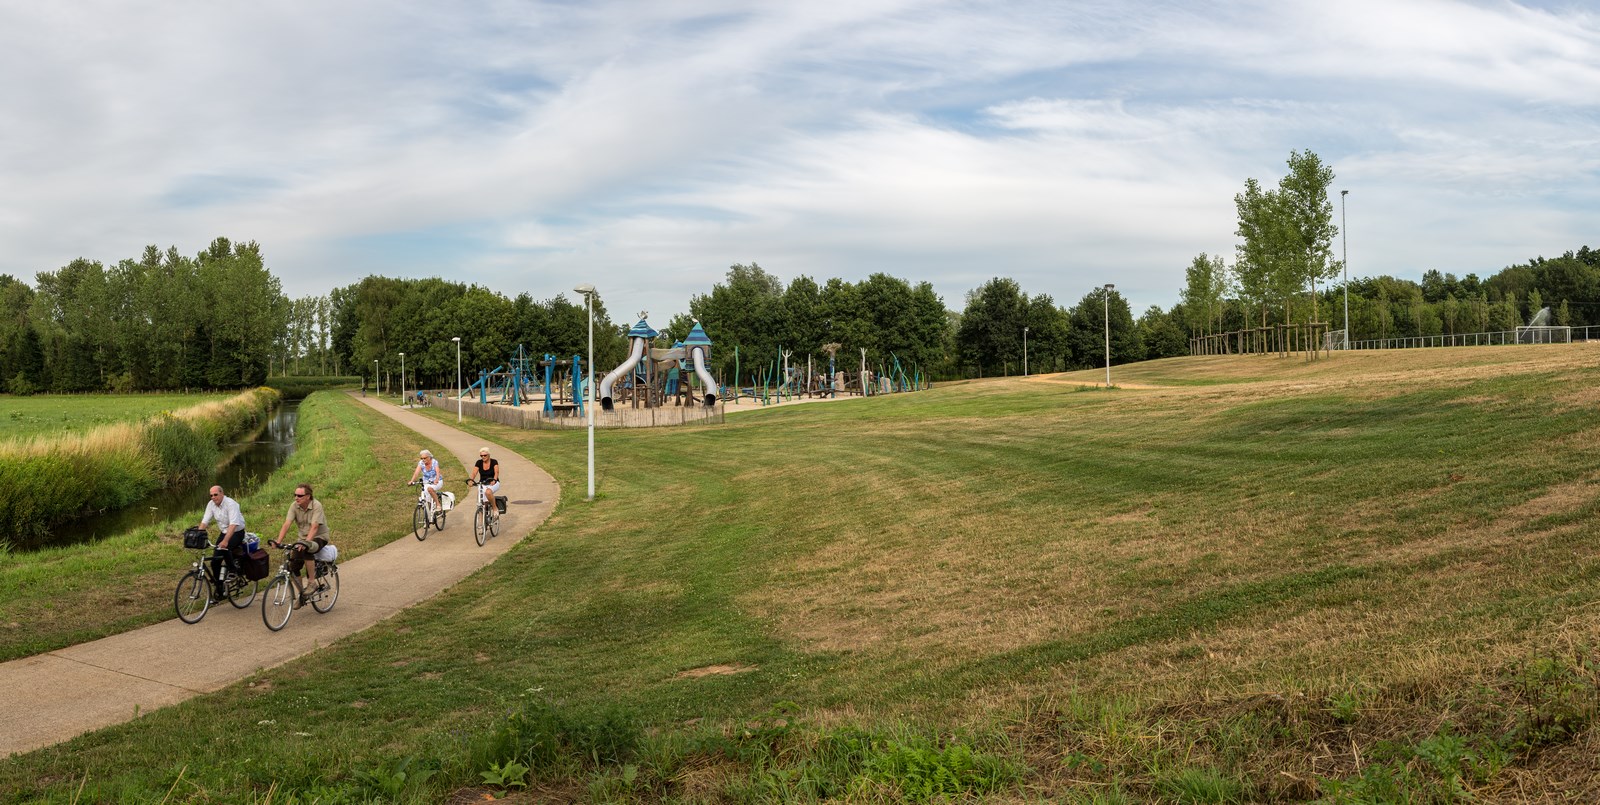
(721, 669)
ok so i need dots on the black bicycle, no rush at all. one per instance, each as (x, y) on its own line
(194, 595)
(280, 600)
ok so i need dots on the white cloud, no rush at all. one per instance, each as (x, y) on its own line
(529, 143)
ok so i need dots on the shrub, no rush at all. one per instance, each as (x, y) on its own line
(20, 385)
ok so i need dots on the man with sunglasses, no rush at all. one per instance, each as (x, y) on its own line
(306, 515)
(230, 547)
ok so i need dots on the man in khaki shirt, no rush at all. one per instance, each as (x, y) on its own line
(306, 515)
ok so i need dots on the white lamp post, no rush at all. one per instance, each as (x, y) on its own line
(1345, 245)
(402, 378)
(1109, 289)
(377, 391)
(457, 339)
(1024, 351)
(588, 302)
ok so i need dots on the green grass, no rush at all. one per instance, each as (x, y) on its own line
(1271, 580)
(355, 458)
(43, 414)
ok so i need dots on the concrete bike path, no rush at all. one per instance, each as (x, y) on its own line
(61, 694)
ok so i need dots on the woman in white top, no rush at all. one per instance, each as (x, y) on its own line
(431, 474)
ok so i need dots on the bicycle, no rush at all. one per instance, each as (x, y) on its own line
(426, 514)
(193, 597)
(486, 520)
(280, 599)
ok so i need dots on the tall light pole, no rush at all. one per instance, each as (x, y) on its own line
(457, 339)
(377, 391)
(1109, 289)
(402, 378)
(588, 302)
(1345, 245)
(1024, 351)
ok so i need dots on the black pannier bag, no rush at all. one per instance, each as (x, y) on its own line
(257, 565)
(500, 503)
(195, 538)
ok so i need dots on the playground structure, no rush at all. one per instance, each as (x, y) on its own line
(663, 376)
(1282, 340)
(784, 380)
(558, 382)
(551, 391)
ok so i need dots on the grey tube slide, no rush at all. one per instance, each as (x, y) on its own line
(634, 354)
(706, 380)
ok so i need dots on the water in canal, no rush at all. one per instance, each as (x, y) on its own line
(246, 464)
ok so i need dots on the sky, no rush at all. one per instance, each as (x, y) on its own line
(644, 147)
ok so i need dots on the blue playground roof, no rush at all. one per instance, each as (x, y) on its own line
(642, 330)
(696, 337)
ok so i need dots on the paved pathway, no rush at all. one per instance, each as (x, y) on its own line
(59, 694)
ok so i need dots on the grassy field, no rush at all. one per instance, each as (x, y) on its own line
(1232, 579)
(40, 414)
(354, 457)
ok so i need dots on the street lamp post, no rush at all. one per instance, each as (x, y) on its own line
(457, 339)
(588, 302)
(1345, 245)
(1109, 289)
(1024, 352)
(377, 391)
(402, 378)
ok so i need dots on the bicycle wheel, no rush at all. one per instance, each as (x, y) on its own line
(494, 523)
(278, 603)
(419, 523)
(193, 596)
(241, 590)
(323, 600)
(480, 525)
(438, 520)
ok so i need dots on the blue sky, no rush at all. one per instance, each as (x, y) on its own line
(645, 147)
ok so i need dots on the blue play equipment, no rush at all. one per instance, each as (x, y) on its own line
(575, 367)
(506, 384)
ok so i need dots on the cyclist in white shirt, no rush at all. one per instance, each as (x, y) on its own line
(230, 546)
(430, 473)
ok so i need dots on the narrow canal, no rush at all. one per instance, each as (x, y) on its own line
(245, 465)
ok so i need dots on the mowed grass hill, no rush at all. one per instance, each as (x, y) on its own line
(1374, 577)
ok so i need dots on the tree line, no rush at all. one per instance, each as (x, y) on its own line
(1285, 248)
(220, 320)
(163, 321)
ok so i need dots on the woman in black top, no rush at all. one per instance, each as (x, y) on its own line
(486, 471)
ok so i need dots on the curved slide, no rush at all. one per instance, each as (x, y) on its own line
(634, 355)
(699, 355)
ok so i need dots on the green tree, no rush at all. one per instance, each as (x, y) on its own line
(1099, 311)
(742, 311)
(990, 337)
(1206, 285)
(1160, 334)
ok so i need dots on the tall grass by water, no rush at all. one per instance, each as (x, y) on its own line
(49, 478)
(1238, 579)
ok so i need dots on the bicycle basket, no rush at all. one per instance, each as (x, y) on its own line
(196, 538)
